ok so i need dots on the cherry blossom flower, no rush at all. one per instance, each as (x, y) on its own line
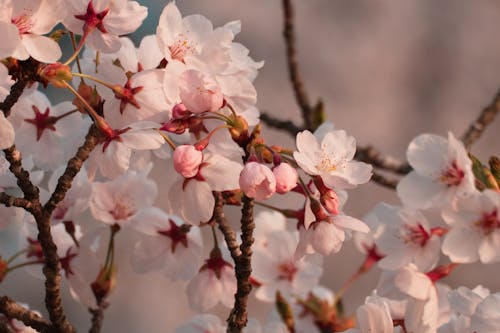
(170, 246)
(276, 268)
(486, 318)
(475, 229)
(406, 237)
(187, 160)
(125, 200)
(49, 133)
(7, 134)
(267, 222)
(215, 283)
(374, 316)
(5, 82)
(199, 93)
(101, 22)
(442, 171)
(331, 159)
(23, 22)
(257, 181)
(286, 178)
(191, 198)
(112, 156)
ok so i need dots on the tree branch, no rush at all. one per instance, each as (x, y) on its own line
(9, 201)
(14, 157)
(374, 157)
(225, 227)
(284, 125)
(30, 318)
(486, 116)
(238, 318)
(383, 181)
(293, 65)
(73, 167)
(98, 317)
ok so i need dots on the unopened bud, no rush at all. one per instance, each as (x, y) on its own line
(176, 126)
(104, 283)
(285, 312)
(330, 201)
(286, 178)
(56, 74)
(239, 130)
(90, 95)
(187, 160)
(180, 111)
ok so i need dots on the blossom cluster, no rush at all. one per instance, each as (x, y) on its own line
(183, 102)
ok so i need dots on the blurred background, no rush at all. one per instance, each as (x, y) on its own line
(386, 71)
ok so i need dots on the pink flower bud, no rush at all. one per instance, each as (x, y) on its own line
(199, 92)
(286, 177)
(187, 160)
(330, 201)
(257, 181)
(179, 111)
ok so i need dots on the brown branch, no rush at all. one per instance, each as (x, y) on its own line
(293, 65)
(98, 317)
(243, 267)
(14, 157)
(15, 92)
(374, 157)
(12, 310)
(73, 167)
(9, 201)
(486, 116)
(225, 227)
(385, 182)
(284, 125)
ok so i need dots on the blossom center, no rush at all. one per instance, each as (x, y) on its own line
(42, 121)
(287, 271)
(24, 23)
(415, 234)
(92, 19)
(124, 208)
(66, 262)
(489, 222)
(177, 234)
(453, 175)
(126, 95)
(181, 48)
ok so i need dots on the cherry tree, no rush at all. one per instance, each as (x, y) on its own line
(76, 174)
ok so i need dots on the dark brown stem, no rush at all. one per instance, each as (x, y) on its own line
(15, 92)
(225, 227)
(293, 65)
(98, 317)
(486, 116)
(386, 182)
(238, 318)
(14, 157)
(12, 310)
(10, 201)
(284, 125)
(73, 167)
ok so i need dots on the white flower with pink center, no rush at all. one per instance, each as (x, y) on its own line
(406, 237)
(192, 198)
(123, 201)
(331, 159)
(5, 82)
(169, 245)
(441, 172)
(276, 268)
(199, 92)
(102, 21)
(112, 156)
(51, 134)
(475, 229)
(23, 22)
(135, 97)
(203, 323)
(215, 283)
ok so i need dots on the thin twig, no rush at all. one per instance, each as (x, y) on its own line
(384, 181)
(98, 316)
(284, 125)
(370, 155)
(73, 167)
(293, 65)
(13, 156)
(9, 201)
(225, 227)
(486, 116)
(30, 318)
(238, 318)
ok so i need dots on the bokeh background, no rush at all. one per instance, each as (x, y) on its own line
(386, 70)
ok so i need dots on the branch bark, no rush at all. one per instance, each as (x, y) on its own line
(486, 117)
(30, 318)
(238, 318)
(225, 227)
(9, 201)
(98, 317)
